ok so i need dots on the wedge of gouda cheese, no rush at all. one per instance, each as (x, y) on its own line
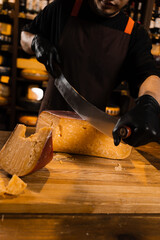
(22, 155)
(74, 135)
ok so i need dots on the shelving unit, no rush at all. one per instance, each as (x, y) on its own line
(14, 66)
(17, 83)
(13, 108)
(147, 13)
(6, 53)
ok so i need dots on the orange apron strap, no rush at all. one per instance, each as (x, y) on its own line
(76, 8)
(129, 26)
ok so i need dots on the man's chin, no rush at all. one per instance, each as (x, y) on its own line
(107, 12)
(102, 10)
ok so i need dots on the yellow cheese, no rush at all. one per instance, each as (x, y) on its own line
(22, 155)
(25, 63)
(2, 187)
(112, 110)
(1, 59)
(15, 186)
(5, 28)
(155, 49)
(3, 100)
(4, 79)
(4, 90)
(34, 74)
(74, 135)
(35, 92)
(28, 120)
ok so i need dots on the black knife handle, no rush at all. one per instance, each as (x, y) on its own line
(124, 132)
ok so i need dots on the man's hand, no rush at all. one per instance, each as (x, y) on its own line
(144, 121)
(46, 54)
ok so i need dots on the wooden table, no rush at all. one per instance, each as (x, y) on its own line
(82, 197)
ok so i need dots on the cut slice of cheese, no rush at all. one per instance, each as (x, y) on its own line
(74, 135)
(15, 186)
(21, 155)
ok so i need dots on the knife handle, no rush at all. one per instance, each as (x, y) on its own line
(124, 132)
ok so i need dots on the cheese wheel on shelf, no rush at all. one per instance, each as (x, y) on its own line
(1, 59)
(35, 92)
(5, 71)
(4, 90)
(3, 101)
(28, 120)
(74, 135)
(25, 63)
(4, 79)
(112, 110)
(34, 74)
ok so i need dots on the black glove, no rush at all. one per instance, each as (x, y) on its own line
(144, 121)
(47, 54)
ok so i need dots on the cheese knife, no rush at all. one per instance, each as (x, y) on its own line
(87, 111)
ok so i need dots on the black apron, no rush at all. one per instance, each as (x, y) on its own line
(92, 56)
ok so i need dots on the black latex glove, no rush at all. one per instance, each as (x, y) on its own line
(47, 54)
(144, 122)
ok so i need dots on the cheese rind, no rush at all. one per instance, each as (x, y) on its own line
(21, 155)
(74, 135)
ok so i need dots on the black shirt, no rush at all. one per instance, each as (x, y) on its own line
(139, 63)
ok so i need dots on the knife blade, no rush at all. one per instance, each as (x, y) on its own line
(87, 111)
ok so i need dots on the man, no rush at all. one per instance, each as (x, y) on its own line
(97, 46)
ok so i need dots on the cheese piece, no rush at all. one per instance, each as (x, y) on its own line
(2, 187)
(21, 155)
(74, 135)
(15, 186)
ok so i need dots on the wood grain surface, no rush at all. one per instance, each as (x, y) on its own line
(76, 227)
(82, 184)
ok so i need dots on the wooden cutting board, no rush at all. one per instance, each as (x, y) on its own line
(84, 184)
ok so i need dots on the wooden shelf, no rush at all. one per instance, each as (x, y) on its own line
(7, 18)
(21, 109)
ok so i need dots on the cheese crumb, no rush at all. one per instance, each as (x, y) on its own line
(118, 167)
(60, 156)
(15, 186)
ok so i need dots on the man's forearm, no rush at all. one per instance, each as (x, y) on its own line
(26, 40)
(151, 86)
